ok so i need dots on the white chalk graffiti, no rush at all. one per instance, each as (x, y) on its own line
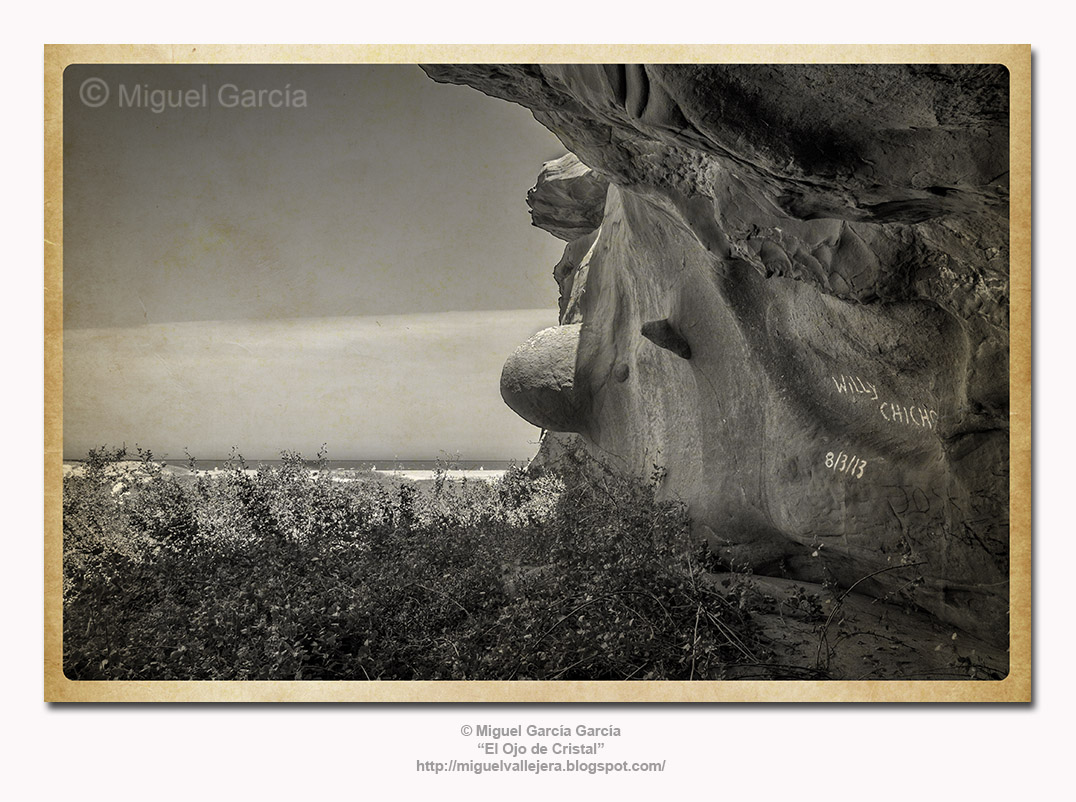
(922, 417)
(856, 386)
(848, 464)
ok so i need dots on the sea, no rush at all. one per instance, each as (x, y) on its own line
(418, 470)
(390, 464)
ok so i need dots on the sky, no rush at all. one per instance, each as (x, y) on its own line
(349, 260)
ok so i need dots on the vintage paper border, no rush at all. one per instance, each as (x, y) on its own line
(1014, 688)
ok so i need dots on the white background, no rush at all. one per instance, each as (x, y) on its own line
(343, 752)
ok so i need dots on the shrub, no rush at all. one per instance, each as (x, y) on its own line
(286, 572)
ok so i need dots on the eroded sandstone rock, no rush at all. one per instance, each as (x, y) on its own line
(539, 380)
(796, 304)
(568, 199)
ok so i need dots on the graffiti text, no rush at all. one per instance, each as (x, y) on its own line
(846, 463)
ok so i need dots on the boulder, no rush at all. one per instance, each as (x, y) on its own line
(568, 199)
(539, 380)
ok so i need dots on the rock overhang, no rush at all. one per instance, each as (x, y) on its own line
(797, 294)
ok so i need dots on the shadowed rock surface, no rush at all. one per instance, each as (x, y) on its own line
(796, 303)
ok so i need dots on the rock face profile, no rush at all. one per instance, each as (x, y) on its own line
(787, 286)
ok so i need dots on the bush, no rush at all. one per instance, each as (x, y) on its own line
(286, 572)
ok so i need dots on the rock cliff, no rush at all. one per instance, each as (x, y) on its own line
(787, 287)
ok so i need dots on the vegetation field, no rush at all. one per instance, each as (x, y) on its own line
(285, 572)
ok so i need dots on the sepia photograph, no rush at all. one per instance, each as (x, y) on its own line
(603, 379)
